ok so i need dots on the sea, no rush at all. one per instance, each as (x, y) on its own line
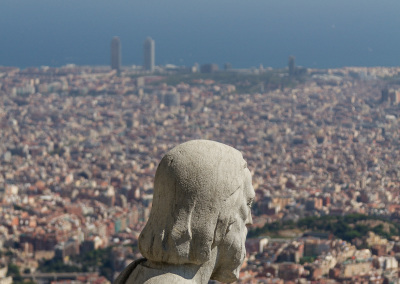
(245, 33)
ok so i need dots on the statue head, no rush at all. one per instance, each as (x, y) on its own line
(202, 198)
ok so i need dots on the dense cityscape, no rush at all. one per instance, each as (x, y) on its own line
(80, 146)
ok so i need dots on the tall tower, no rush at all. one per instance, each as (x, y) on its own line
(149, 54)
(116, 54)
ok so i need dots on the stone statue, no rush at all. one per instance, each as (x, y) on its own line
(197, 226)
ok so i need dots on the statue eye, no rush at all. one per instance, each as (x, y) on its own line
(250, 203)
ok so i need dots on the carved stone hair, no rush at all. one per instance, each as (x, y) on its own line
(189, 215)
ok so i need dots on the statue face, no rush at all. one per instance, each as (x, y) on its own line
(231, 250)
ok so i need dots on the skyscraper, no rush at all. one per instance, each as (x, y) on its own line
(116, 54)
(149, 54)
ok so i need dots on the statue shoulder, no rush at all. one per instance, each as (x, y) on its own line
(123, 277)
(138, 273)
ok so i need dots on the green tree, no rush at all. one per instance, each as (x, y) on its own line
(13, 271)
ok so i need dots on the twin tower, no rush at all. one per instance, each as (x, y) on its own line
(148, 54)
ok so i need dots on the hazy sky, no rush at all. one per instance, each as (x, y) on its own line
(320, 33)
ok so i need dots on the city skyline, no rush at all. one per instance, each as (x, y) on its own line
(148, 54)
(298, 95)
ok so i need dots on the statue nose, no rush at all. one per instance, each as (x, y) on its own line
(249, 220)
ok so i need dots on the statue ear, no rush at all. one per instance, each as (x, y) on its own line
(182, 232)
(225, 217)
(222, 227)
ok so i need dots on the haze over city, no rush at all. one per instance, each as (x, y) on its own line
(322, 34)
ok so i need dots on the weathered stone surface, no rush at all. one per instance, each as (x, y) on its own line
(197, 226)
